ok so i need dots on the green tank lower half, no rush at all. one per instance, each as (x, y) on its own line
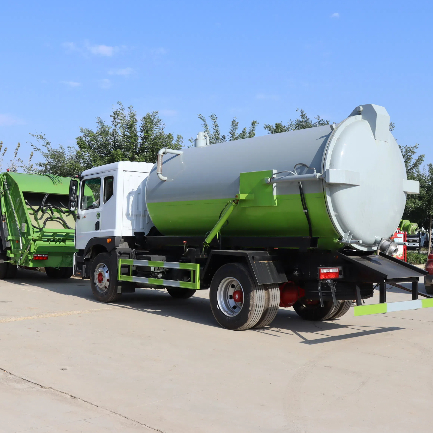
(285, 218)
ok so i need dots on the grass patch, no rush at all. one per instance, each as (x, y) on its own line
(416, 258)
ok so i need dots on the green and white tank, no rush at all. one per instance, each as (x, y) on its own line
(352, 174)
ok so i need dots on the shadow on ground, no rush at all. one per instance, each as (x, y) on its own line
(197, 310)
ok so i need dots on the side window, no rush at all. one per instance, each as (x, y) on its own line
(90, 193)
(108, 188)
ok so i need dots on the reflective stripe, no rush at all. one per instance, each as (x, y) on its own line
(363, 310)
(157, 264)
(405, 305)
(193, 267)
(427, 302)
(158, 282)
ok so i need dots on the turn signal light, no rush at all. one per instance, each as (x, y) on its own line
(329, 273)
(40, 257)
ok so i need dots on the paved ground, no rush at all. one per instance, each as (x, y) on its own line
(151, 363)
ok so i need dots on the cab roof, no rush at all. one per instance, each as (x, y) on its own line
(142, 167)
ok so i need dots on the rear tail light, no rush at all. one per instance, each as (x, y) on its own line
(40, 256)
(329, 273)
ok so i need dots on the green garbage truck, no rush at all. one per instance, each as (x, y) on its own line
(37, 228)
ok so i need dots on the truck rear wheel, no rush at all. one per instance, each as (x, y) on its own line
(103, 279)
(180, 292)
(272, 304)
(237, 302)
(57, 273)
(11, 271)
(3, 267)
(311, 310)
(341, 310)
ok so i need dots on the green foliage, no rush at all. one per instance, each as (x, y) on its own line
(302, 122)
(407, 226)
(415, 258)
(426, 192)
(152, 138)
(126, 139)
(2, 155)
(412, 161)
(419, 208)
(59, 161)
(16, 164)
(214, 131)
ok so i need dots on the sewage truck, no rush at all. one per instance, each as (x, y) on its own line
(36, 228)
(298, 219)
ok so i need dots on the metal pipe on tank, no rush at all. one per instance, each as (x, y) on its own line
(295, 178)
(161, 154)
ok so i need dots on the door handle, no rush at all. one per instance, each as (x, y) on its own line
(97, 225)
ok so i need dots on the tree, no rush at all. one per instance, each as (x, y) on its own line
(215, 135)
(414, 210)
(412, 161)
(303, 122)
(59, 161)
(123, 139)
(2, 154)
(426, 198)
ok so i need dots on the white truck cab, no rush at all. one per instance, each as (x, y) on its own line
(112, 202)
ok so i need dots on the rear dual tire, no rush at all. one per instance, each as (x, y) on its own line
(238, 303)
(312, 310)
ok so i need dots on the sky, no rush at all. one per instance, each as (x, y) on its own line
(63, 64)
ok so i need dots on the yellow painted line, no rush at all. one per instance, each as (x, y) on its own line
(48, 315)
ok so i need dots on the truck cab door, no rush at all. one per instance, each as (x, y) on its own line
(88, 214)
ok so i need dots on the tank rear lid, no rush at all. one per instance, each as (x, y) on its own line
(368, 203)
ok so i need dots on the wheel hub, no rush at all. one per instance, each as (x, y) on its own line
(230, 296)
(102, 277)
(238, 296)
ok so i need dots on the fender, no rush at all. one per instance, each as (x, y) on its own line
(264, 268)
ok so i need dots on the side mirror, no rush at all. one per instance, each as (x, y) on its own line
(73, 194)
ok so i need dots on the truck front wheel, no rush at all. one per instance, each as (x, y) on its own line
(237, 302)
(103, 278)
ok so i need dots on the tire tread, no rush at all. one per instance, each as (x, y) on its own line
(272, 304)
